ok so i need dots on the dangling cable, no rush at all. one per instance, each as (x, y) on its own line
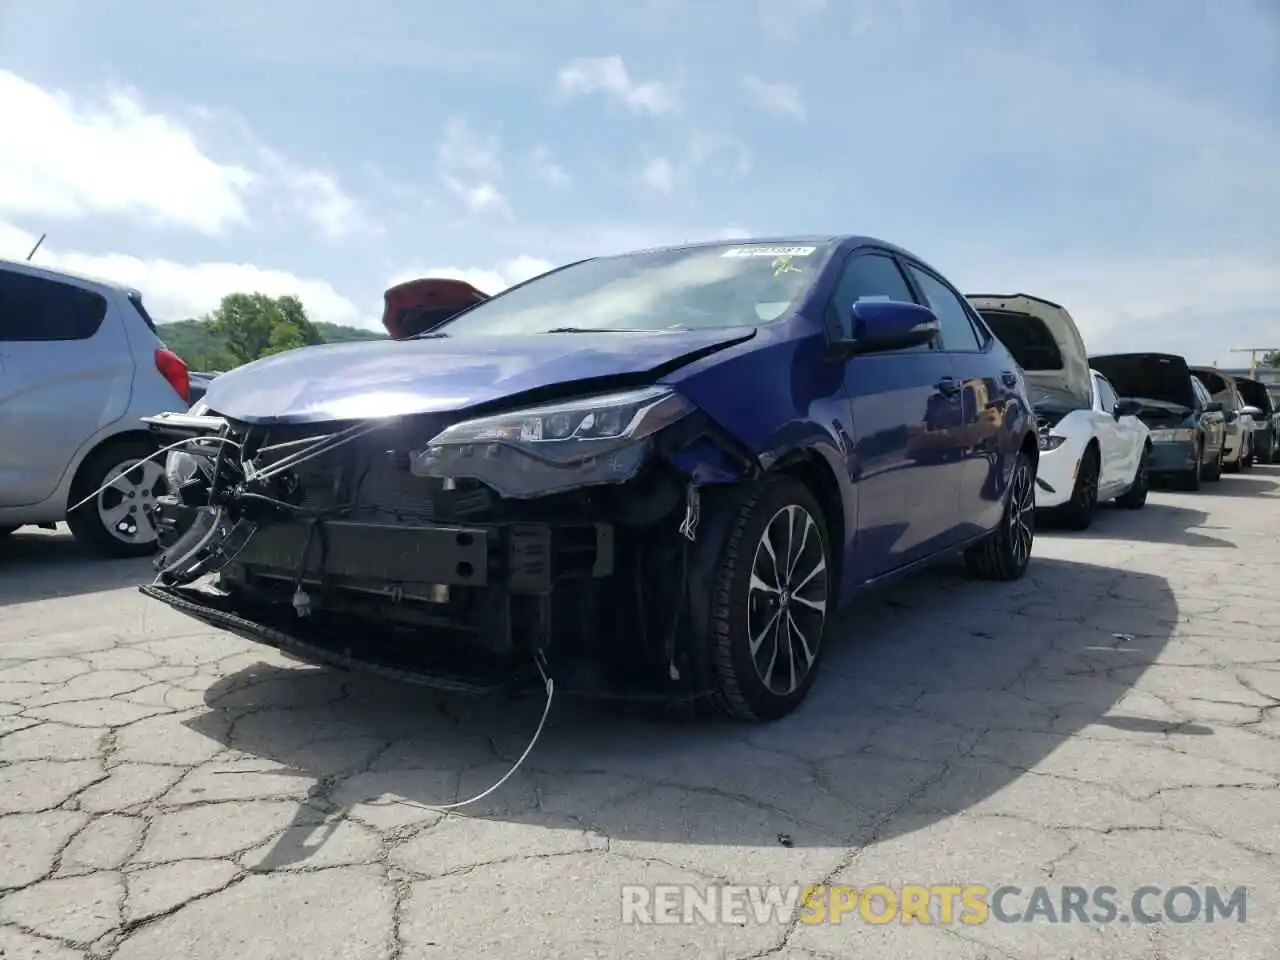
(546, 710)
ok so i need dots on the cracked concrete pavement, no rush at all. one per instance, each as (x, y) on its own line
(170, 791)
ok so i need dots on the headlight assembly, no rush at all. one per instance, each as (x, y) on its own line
(1051, 442)
(546, 449)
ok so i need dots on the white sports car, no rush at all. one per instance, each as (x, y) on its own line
(1092, 446)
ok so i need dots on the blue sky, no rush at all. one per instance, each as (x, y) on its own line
(1121, 159)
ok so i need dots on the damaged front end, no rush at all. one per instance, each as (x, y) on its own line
(454, 553)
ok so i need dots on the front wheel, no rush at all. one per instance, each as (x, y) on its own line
(1213, 473)
(1005, 553)
(122, 486)
(774, 587)
(1135, 498)
(1077, 513)
(1248, 457)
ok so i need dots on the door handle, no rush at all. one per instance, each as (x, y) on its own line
(1009, 378)
(948, 386)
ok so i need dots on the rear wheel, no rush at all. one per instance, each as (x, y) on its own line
(1006, 552)
(118, 519)
(1135, 498)
(774, 585)
(1077, 513)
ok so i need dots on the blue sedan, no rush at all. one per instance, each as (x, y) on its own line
(654, 473)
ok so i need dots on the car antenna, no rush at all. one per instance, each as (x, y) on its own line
(37, 246)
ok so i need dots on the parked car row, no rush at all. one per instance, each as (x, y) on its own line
(657, 473)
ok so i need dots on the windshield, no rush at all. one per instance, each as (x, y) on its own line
(728, 285)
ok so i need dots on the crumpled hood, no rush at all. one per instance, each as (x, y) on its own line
(351, 381)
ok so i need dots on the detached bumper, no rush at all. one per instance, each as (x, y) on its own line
(332, 641)
(1172, 456)
(1056, 475)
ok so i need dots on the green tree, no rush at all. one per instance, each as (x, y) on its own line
(253, 325)
(1271, 359)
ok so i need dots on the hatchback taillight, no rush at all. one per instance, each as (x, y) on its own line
(173, 369)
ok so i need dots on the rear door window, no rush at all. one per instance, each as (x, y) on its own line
(40, 309)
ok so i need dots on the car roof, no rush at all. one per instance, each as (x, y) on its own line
(846, 240)
(47, 273)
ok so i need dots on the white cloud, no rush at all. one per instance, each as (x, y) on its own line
(609, 76)
(780, 99)
(659, 175)
(489, 279)
(318, 198)
(470, 166)
(60, 158)
(784, 19)
(176, 291)
(64, 158)
(545, 167)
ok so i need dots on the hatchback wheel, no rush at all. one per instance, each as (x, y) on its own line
(1006, 552)
(774, 591)
(119, 518)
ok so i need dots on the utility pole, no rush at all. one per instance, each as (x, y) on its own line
(1253, 357)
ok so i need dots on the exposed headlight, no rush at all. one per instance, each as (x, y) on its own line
(1050, 442)
(546, 449)
(179, 467)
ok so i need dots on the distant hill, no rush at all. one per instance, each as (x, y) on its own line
(195, 343)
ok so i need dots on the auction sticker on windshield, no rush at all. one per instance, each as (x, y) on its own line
(769, 252)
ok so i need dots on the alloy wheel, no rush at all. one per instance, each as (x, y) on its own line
(787, 599)
(126, 505)
(1022, 514)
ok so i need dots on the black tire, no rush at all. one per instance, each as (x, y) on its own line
(1231, 467)
(1275, 449)
(86, 522)
(740, 609)
(1248, 457)
(1077, 513)
(1213, 474)
(1006, 552)
(1135, 498)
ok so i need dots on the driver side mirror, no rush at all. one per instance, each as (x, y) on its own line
(1213, 406)
(882, 326)
(1127, 408)
(1251, 412)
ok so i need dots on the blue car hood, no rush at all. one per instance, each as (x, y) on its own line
(351, 381)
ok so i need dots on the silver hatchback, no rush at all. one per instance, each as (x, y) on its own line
(80, 364)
